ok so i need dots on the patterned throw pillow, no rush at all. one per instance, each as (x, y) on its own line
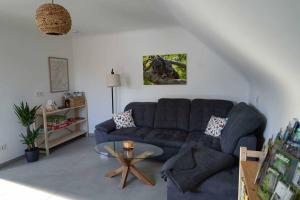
(124, 119)
(215, 126)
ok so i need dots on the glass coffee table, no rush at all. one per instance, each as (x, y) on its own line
(128, 153)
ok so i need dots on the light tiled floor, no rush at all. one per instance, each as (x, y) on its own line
(74, 171)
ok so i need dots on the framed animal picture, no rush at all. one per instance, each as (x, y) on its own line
(170, 69)
(58, 74)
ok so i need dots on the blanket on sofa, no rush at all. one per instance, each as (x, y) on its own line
(191, 166)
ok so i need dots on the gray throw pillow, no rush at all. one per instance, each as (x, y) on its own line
(242, 121)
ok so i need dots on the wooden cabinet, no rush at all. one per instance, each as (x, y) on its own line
(53, 137)
(247, 173)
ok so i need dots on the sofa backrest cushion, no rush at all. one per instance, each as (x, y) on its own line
(203, 109)
(242, 121)
(172, 114)
(143, 113)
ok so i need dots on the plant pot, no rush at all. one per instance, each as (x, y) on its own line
(32, 155)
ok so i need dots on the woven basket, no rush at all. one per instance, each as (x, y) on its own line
(53, 19)
(77, 101)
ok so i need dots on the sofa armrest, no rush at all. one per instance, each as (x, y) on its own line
(106, 126)
(248, 141)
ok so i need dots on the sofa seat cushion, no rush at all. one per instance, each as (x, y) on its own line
(142, 113)
(172, 114)
(133, 133)
(166, 137)
(203, 109)
(198, 139)
(226, 181)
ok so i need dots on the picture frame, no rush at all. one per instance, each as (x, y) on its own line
(165, 69)
(58, 74)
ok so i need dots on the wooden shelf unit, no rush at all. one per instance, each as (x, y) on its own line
(45, 143)
(247, 173)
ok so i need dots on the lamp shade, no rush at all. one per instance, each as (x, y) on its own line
(53, 19)
(113, 80)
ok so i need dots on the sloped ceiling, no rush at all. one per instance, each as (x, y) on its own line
(258, 38)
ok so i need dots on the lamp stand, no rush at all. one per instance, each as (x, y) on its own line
(112, 100)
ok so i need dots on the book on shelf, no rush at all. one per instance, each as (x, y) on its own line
(263, 160)
(282, 192)
(282, 164)
(296, 176)
(268, 184)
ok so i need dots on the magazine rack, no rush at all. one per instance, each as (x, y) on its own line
(247, 173)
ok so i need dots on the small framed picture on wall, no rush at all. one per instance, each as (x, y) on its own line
(58, 74)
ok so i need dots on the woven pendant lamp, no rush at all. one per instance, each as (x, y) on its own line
(53, 19)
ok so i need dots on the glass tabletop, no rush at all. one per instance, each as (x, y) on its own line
(128, 150)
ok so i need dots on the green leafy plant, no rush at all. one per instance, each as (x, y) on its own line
(29, 139)
(27, 117)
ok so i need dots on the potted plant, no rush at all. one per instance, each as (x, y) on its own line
(27, 117)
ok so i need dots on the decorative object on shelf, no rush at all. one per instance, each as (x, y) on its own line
(51, 105)
(74, 99)
(53, 19)
(113, 80)
(165, 69)
(59, 74)
(27, 117)
(77, 101)
(67, 103)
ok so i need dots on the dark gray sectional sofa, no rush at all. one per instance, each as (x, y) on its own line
(174, 124)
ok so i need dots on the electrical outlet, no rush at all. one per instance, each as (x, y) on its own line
(39, 94)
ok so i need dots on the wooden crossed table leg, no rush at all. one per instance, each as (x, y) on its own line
(129, 167)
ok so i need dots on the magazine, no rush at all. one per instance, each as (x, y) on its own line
(296, 177)
(268, 184)
(282, 192)
(281, 163)
(262, 164)
(296, 136)
(290, 129)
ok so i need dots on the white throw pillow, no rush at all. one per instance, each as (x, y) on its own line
(124, 119)
(215, 126)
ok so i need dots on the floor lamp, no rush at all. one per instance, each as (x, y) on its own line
(113, 80)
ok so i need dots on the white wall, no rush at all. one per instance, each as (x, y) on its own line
(208, 76)
(23, 71)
